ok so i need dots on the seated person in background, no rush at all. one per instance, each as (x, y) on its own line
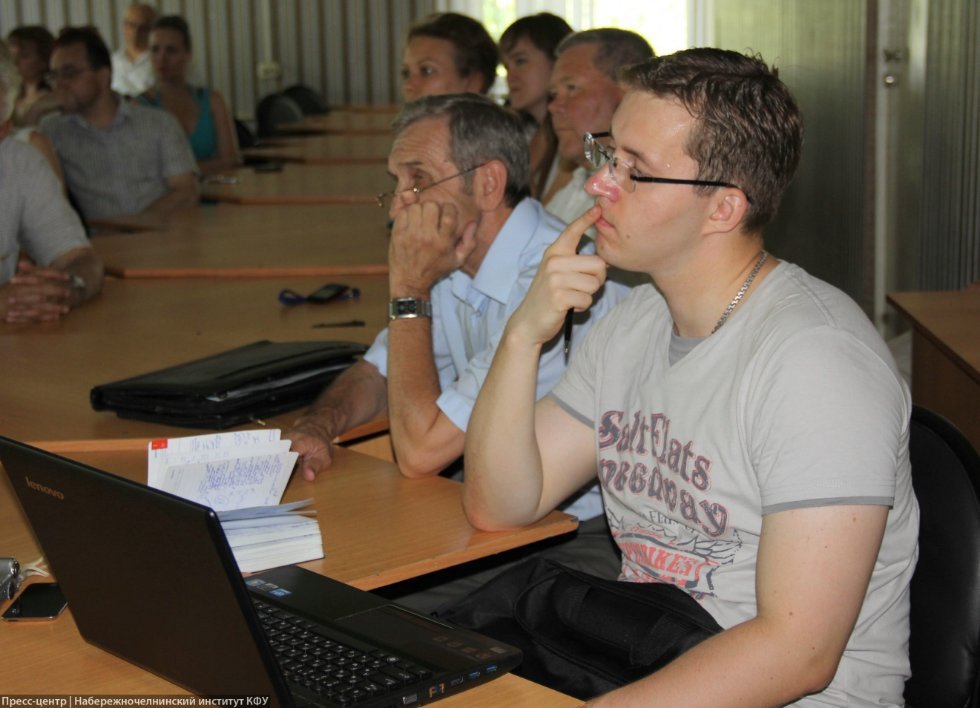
(447, 53)
(527, 51)
(465, 244)
(752, 450)
(63, 270)
(585, 92)
(28, 134)
(132, 72)
(30, 50)
(118, 158)
(201, 112)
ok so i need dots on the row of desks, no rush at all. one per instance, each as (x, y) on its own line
(202, 281)
(226, 240)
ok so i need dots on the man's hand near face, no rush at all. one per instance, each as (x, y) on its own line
(427, 244)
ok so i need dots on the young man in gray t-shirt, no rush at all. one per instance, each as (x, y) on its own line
(747, 424)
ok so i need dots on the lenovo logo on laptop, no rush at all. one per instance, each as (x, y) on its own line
(44, 490)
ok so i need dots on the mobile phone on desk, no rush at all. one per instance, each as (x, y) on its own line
(37, 601)
(330, 291)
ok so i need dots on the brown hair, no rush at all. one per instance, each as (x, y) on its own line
(95, 48)
(176, 23)
(37, 35)
(544, 30)
(474, 49)
(615, 48)
(748, 128)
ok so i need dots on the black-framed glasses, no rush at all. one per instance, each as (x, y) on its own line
(623, 174)
(68, 73)
(412, 194)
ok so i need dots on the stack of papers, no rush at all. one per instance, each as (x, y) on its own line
(241, 475)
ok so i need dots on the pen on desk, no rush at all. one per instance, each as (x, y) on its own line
(346, 323)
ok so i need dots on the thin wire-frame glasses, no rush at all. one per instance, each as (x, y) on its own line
(411, 195)
(623, 175)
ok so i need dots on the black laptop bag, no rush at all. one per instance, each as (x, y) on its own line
(245, 384)
(580, 634)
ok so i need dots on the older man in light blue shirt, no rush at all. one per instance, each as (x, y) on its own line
(466, 244)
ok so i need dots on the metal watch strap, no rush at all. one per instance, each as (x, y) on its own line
(408, 308)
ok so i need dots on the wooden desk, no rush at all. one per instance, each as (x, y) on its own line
(227, 240)
(300, 184)
(326, 149)
(136, 326)
(410, 527)
(349, 123)
(946, 354)
(378, 527)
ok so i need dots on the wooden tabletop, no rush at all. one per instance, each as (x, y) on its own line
(410, 526)
(297, 183)
(137, 326)
(378, 527)
(226, 240)
(946, 354)
(348, 123)
(328, 149)
(950, 320)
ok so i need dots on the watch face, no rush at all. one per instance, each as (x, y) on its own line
(406, 307)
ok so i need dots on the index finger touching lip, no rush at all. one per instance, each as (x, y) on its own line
(567, 242)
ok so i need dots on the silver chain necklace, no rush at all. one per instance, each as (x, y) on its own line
(741, 291)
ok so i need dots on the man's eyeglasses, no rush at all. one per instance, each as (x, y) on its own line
(67, 74)
(623, 173)
(411, 195)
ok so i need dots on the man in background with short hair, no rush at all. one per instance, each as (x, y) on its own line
(466, 242)
(585, 92)
(119, 159)
(61, 270)
(132, 72)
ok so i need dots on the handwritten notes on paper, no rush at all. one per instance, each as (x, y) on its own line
(241, 475)
(223, 470)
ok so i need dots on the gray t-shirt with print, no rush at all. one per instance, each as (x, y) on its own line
(795, 402)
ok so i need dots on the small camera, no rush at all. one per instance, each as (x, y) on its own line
(9, 578)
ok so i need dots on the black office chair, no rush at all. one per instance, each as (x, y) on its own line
(274, 112)
(945, 593)
(246, 138)
(311, 102)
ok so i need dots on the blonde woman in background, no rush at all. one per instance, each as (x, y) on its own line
(201, 112)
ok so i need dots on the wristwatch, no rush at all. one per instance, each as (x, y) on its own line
(78, 285)
(408, 308)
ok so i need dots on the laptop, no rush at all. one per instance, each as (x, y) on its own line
(150, 578)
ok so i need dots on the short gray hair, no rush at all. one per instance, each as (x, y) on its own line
(479, 131)
(9, 84)
(617, 48)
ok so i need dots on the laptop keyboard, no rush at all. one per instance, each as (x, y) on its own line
(341, 673)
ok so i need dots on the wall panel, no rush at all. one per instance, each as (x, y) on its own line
(949, 247)
(819, 49)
